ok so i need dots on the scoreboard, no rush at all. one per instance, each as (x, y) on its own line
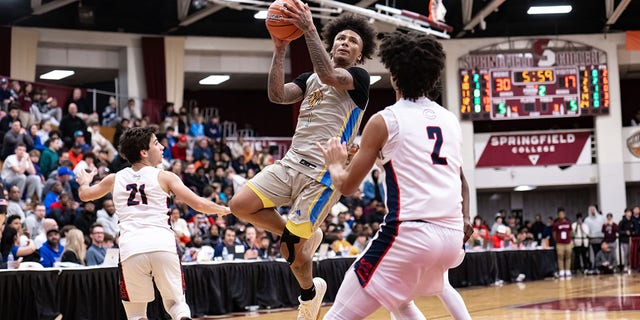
(521, 85)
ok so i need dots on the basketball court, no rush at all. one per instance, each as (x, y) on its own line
(582, 297)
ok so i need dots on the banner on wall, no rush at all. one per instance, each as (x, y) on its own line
(541, 148)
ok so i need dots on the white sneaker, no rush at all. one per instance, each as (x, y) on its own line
(567, 274)
(310, 310)
(314, 241)
(561, 273)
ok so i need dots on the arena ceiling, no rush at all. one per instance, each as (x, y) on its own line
(492, 17)
(482, 18)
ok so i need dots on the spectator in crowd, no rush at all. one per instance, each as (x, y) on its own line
(80, 140)
(548, 231)
(635, 121)
(108, 218)
(17, 135)
(110, 113)
(97, 251)
(87, 163)
(15, 169)
(75, 250)
(610, 231)
(85, 218)
(196, 129)
(33, 133)
(123, 125)
(64, 210)
(502, 238)
(213, 236)
(10, 245)
(53, 195)
(35, 222)
(71, 123)
(15, 206)
(47, 110)
(202, 150)
(7, 121)
(179, 150)
(49, 157)
(51, 251)
(179, 227)
(227, 245)
(497, 222)
(84, 109)
(76, 154)
(5, 93)
(47, 225)
(594, 220)
(212, 129)
(373, 188)
(99, 142)
(628, 228)
(131, 111)
(562, 237)
(580, 233)
(251, 250)
(605, 261)
(537, 229)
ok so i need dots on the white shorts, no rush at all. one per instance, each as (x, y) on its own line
(140, 270)
(405, 260)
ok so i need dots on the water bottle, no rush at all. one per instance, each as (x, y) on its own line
(10, 261)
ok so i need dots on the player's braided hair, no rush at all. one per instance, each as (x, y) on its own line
(357, 24)
(133, 141)
(415, 61)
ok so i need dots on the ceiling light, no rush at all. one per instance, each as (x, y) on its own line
(262, 14)
(549, 9)
(214, 79)
(524, 188)
(57, 74)
(374, 79)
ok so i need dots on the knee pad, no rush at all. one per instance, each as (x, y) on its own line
(290, 240)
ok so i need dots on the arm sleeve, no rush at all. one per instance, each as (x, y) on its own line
(361, 80)
(301, 81)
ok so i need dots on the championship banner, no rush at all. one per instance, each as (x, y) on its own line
(533, 148)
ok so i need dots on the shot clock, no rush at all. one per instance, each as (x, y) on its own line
(502, 86)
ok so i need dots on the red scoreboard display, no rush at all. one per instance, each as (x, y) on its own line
(528, 84)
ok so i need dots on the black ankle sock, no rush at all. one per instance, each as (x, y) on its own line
(307, 294)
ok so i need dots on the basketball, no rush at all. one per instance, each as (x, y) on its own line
(278, 28)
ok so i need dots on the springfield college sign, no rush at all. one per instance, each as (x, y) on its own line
(533, 149)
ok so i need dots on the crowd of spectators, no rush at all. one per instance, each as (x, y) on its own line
(589, 245)
(42, 149)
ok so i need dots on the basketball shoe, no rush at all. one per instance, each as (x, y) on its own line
(310, 310)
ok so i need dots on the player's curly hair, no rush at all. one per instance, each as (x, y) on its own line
(415, 61)
(359, 25)
(133, 141)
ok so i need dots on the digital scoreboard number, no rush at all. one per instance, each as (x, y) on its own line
(523, 85)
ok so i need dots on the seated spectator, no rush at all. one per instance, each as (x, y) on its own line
(18, 170)
(110, 113)
(265, 252)
(342, 246)
(99, 142)
(179, 227)
(75, 250)
(6, 123)
(179, 150)
(213, 236)
(80, 140)
(87, 216)
(75, 154)
(37, 141)
(47, 110)
(502, 238)
(202, 150)
(70, 124)
(251, 250)
(64, 210)
(212, 129)
(51, 251)
(49, 157)
(227, 246)
(97, 251)
(108, 218)
(35, 222)
(10, 245)
(605, 259)
(373, 188)
(131, 111)
(87, 163)
(47, 225)
(196, 129)
(52, 196)
(15, 206)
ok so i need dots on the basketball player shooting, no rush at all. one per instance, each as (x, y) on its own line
(333, 102)
(147, 243)
(420, 143)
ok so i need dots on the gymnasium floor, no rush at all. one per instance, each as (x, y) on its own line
(581, 298)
